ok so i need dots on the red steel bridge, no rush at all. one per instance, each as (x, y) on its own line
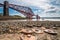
(26, 11)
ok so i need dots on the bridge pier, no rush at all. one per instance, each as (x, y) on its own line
(22, 9)
(6, 8)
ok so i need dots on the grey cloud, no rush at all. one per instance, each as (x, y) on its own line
(54, 11)
(55, 2)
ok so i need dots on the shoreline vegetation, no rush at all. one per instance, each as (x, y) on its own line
(20, 17)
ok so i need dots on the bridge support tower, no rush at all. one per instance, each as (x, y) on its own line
(6, 8)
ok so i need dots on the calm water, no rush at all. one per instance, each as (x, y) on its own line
(42, 20)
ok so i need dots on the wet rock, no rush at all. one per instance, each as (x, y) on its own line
(50, 32)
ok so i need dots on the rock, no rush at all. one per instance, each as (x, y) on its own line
(50, 32)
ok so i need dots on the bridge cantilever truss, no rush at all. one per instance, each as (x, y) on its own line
(26, 11)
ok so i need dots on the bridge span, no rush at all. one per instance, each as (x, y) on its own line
(26, 11)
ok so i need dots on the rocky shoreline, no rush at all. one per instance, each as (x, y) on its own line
(11, 30)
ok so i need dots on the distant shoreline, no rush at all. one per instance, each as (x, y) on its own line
(50, 17)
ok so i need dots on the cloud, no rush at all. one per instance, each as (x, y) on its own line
(55, 2)
(49, 15)
(51, 10)
(1, 1)
(54, 11)
(38, 3)
(44, 8)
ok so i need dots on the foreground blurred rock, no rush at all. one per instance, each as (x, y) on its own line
(28, 30)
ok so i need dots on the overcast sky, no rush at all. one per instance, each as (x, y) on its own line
(44, 8)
